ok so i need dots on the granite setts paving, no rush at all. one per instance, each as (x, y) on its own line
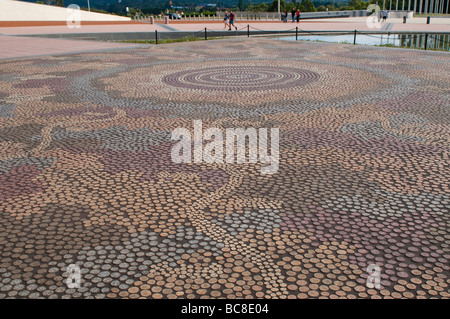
(86, 176)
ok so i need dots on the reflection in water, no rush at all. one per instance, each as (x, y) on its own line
(434, 41)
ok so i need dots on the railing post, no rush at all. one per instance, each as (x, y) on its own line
(248, 31)
(354, 38)
(296, 33)
(156, 36)
(426, 41)
(206, 34)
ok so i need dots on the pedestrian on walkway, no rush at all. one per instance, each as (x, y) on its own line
(231, 23)
(297, 15)
(285, 16)
(293, 14)
(225, 20)
(384, 15)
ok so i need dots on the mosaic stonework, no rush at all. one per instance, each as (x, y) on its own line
(86, 176)
(244, 78)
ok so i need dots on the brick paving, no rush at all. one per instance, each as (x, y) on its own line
(86, 176)
(17, 47)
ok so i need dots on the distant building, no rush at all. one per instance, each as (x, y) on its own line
(207, 5)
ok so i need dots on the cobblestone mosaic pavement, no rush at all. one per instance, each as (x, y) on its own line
(86, 176)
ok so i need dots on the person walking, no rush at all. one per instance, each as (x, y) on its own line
(384, 15)
(293, 15)
(231, 23)
(285, 16)
(297, 15)
(225, 20)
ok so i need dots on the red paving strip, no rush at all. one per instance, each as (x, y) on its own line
(279, 26)
(19, 47)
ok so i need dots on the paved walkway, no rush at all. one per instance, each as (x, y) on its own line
(88, 180)
(142, 27)
(16, 47)
(416, 24)
(11, 46)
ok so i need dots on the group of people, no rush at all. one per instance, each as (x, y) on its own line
(294, 13)
(229, 20)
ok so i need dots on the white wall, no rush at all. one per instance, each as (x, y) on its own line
(12, 10)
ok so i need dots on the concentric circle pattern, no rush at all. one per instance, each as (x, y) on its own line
(241, 78)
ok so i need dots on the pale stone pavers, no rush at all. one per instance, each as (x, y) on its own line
(17, 47)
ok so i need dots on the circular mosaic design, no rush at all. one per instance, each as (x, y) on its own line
(241, 78)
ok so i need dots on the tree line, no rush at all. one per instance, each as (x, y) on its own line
(306, 6)
(161, 6)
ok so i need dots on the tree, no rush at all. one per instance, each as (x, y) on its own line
(309, 6)
(131, 12)
(262, 7)
(274, 6)
(358, 4)
(241, 5)
(290, 6)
